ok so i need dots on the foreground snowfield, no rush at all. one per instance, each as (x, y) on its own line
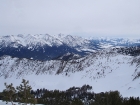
(102, 73)
(4, 103)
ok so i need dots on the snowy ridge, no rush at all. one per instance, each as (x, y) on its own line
(106, 69)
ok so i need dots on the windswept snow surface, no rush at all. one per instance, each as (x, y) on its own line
(104, 72)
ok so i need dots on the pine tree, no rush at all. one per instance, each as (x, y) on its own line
(24, 93)
(9, 94)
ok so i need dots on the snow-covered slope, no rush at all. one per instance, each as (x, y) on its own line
(105, 70)
(72, 41)
(75, 41)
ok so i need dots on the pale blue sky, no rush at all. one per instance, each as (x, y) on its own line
(76, 17)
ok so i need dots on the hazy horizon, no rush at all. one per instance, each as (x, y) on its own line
(110, 18)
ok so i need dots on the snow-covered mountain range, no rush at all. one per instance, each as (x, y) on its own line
(47, 47)
(63, 61)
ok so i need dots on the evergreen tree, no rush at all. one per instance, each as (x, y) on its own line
(24, 93)
(9, 94)
(76, 101)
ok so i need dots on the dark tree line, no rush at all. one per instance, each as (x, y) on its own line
(72, 96)
(82, 96)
